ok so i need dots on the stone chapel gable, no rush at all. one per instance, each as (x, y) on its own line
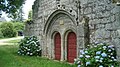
(85, 21)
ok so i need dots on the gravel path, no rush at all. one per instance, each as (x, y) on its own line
(2, 41)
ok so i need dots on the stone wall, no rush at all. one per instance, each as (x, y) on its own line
(103, 17)
(104, 21)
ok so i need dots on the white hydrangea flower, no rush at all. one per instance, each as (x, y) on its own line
(101, 58)
(79, 66)
(86, 52)
(81, 56)
(97, 60)
(82, 52)
(95, 46)
(87, 56)
(111, 54)
(75, 59)
(78, 62)
(31, 53)
(111, 66)
(110, 46)
(101, 44)
(104, 47)
(35, 43)
(97, 57)
(28, 53)
(27, 41)
(96, 42)
(109, 50)
(100, 61)
(112, 57)
(115, 59)
(111, 60)
(100, 66)
(98, 52)
(28, 49)
(87, 63)
(18, 52)
(104, 55)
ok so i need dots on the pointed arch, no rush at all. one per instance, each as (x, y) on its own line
(53, 15)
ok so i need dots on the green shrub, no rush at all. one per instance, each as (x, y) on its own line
(1, 34)
(7, 29)
(18, 26)
(101, 55)
(29, 46)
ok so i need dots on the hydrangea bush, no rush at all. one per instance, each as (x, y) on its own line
(29, 46)
(101, 55)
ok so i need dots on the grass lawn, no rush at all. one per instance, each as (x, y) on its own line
(10, 58)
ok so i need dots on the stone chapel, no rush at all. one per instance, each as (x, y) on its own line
(64, 27)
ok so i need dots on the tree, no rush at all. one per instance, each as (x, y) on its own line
(10, 6)
(30, 15)
(19, 15)
(7, 28)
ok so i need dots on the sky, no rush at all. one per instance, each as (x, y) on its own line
(26, 8)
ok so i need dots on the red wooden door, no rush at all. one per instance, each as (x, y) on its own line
(57, 42)
(71, 47)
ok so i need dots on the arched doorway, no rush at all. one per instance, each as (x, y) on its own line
(71, 47)
(57, 44)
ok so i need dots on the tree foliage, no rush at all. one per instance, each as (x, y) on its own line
(11, 6)
(30, 15)
(11, 29)
(19, 15)
(7, 29)
(19, 26)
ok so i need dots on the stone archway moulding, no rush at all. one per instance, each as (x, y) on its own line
(55, 13)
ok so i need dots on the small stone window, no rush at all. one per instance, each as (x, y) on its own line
(70, 11)
(63, 6)
(58, 5)
(57, 0)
